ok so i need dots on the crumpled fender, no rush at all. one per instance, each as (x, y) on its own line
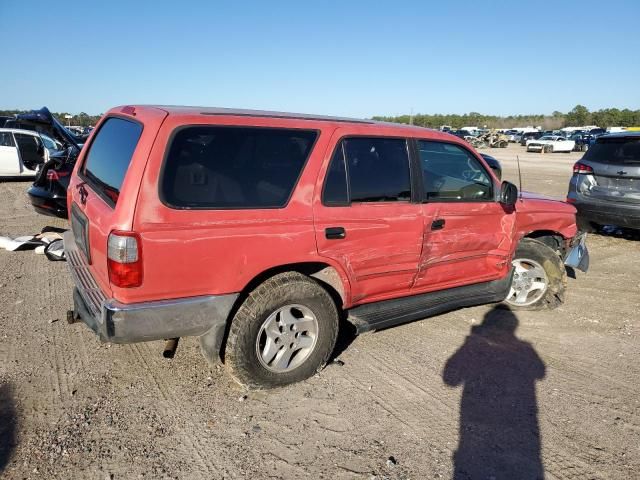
(539, 213)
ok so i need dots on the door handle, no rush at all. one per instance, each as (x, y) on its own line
(438, 224)
(335, 233)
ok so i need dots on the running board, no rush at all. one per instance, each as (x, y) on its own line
(388, 313)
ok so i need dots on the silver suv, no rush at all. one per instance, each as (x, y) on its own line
(605, 186)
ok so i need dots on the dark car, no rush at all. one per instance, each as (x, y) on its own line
(494, 165)
(48, 194)
(605, 186)
(529, 136)
(3, 120)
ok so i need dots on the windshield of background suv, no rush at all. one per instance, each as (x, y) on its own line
(110, 154)
(620, 150)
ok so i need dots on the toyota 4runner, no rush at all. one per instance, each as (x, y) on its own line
(259, 232)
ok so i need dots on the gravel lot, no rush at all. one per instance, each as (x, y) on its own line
(562, 392)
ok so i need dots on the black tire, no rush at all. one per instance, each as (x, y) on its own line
(241, 356)
(554, 268)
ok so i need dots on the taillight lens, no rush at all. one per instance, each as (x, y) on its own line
(56, 175)
(582, 168)
(124, 259)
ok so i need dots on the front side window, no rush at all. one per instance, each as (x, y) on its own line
(110, 154)
(452, 174)
(218, 167)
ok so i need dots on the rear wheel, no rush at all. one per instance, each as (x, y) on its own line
(282, 333)
(539, 279)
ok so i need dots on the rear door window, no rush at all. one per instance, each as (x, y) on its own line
(368, 169)
(616, 150)
(6, 139)
(220, 167)
(109, 156)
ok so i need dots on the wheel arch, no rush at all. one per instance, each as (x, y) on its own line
(330, 277)
(551, 238)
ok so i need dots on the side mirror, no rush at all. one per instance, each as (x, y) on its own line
(508, 194)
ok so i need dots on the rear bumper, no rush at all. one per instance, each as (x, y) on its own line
(47, 203)
(609, 213)
(117, 322)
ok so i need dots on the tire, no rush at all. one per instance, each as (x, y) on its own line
(533, 255)
(286, 297)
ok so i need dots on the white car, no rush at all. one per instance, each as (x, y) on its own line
(549, 144)
(21, 151)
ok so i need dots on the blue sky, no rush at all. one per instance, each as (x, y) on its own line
(354, 58)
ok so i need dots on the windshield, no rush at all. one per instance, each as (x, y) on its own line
(620, 150)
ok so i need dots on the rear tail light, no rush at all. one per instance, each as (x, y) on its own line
(582, 168)
(124, 259)
(56, 175)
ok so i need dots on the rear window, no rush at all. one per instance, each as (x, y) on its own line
(214, 167)
(620, 151)
(109, 156)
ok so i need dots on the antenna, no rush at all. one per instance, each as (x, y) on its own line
(519, 177)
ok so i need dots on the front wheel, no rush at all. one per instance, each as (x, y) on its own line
(539, 278)
(282, 333)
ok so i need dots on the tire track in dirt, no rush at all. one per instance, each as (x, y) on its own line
(191, 437)
(425, 404)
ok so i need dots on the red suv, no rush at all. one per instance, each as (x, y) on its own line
(259, 231)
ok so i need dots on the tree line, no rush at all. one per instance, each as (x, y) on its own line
(577, 117)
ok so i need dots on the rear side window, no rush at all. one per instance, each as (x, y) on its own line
(6, 140)
(367, 169)
(378, 169)
(110, 155)
(215, 167)
(619, 151)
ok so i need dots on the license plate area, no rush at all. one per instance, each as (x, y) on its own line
(80, 229)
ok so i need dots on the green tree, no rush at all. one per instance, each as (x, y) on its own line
(578, 116)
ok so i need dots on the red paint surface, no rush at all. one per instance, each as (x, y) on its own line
(389, 251)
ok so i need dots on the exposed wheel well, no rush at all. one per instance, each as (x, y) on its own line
(552, 239)
(328, 277)
(325, 274)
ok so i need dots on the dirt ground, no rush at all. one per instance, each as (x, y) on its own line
(560, 394)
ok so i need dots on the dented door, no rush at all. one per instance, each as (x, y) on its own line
(468, 234)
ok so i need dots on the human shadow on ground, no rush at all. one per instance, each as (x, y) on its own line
(8, 423)
(499, 432)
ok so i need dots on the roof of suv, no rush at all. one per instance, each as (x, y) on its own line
(621, 135)
(213, 111)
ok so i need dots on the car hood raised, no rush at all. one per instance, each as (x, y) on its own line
(44, 122)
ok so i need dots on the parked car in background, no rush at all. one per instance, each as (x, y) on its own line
(529, 136)
(4, 119)
(21, 152)
(550, 144)
(605, 186)
(48, 194)
(248, 228)
(511, 135)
